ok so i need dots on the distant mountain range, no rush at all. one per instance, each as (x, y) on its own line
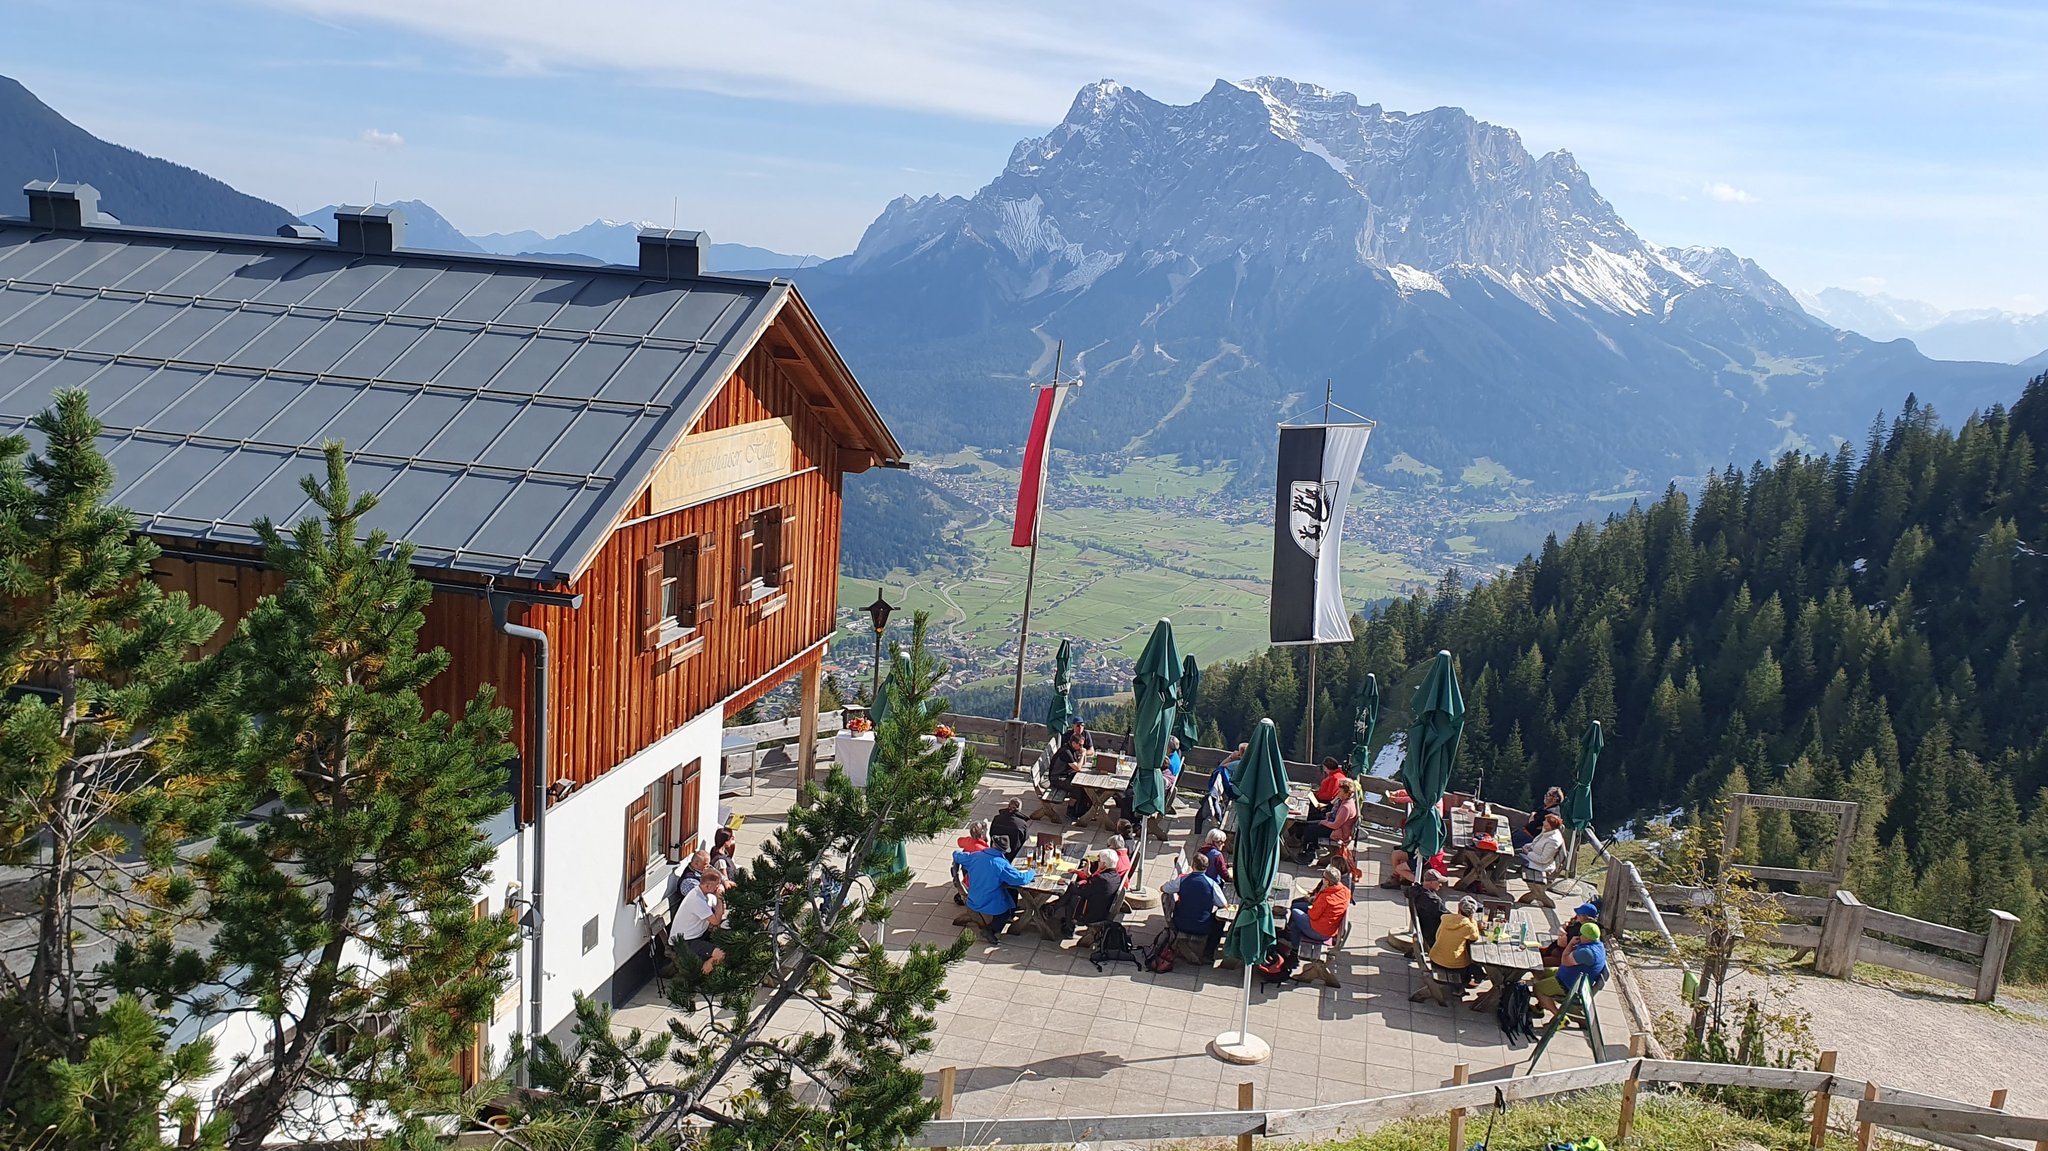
(38, 144)
(1971, 334)
(601, 241)
(1208, 266)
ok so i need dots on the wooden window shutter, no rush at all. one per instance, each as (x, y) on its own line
(650, 602)
(693, 790)
(785, 550)
(636, 847)
(743, 554)
(707, 583)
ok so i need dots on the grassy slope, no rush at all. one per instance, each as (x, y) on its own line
(1663, 1122)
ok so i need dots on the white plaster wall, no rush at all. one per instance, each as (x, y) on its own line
(586, 863)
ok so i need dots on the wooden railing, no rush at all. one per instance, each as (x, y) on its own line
(1946, 1122)
(1840, 930)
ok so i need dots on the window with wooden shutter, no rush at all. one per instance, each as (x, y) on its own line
(673, 605)
(764, 547)
(707, 583)
(650, 602)
(785, 535)
(692, 777)
(636, 847)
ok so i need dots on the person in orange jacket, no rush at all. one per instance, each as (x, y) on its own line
(1318, 918)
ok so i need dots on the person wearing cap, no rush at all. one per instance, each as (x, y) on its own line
(1077, 729)
(1091, 897)
(1553, 951)
(1194, 912)
(1426, 899)
(1586, 960)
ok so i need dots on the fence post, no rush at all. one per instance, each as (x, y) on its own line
(946, 1076)
(1818, 1136)
(1841, 935)
(1638, 1046)
(1997, 944)
(1244, 1103)
(1613, 903)
(1460, 1074)
(1866, 1131)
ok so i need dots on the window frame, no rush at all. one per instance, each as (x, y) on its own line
(675, 575)
(765, 565)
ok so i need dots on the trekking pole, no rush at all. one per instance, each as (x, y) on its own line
(1500, 1105)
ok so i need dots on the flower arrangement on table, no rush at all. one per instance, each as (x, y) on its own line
(942, 732)
(860, 725)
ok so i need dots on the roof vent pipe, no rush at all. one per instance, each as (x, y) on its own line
(301, 232)
(672, 254)
(371, 231)
(54, 205)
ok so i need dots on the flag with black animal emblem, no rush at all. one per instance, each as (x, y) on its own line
(1313, 486)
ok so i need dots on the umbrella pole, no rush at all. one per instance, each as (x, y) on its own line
(1244, 1020)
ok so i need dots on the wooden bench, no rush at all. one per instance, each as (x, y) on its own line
(1315, 958)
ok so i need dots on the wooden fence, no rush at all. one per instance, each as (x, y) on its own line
(1840, 930)
(1945, 1122)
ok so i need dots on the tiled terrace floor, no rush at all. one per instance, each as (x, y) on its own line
(1035, 1030)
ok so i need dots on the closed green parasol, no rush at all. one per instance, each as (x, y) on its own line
(1439, 719)
(1261, 816)
(1060, 711)
(1156, 685)
(1185, 728)
(1365, 719)
(1578, 809)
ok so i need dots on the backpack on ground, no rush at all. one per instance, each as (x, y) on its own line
(1113, 942)
(1159, 960)
(1516, 1021)
(1279, 965)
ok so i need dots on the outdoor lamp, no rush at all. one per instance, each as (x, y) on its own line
(878, 612)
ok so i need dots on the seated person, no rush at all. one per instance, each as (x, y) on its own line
(1091, 897)
(1011, 826)
(1194, 912)
(1426, 899)
(702, 910)
(1553, 804)
(725, 853)
(1455, 936)
(1545, 853)
(1328, 787)
(976, 839)
(1403, 870)
(1319, 917)
(1211, 858)
(1066, 763)
(1076, 728)
(989, 875)
(1339, 820)
(683, 880)
(1553, 951)
(1221, 794)
(1586, 960)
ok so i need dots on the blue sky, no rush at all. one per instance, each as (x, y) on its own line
(1894, 146)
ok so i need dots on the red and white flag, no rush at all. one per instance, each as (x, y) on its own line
(1031, 489)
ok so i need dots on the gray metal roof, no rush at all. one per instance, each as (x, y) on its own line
(504, 411)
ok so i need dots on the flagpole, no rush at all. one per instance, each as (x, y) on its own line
(1031, 577)
(1308, 751)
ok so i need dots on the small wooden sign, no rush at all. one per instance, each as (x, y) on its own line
(707, 465)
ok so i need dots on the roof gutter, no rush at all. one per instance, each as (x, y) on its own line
(570, 600)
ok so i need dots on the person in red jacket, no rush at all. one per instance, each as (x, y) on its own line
(1334, 778)
(1318, 918)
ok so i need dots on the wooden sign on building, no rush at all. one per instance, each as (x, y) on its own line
(706, 465)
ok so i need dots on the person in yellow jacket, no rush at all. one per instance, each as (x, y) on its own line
(1455, 936)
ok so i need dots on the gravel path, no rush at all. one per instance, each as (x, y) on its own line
(1924, 1041)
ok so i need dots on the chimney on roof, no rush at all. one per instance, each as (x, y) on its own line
(54, 205)
(371, 231)
(672, 254)
(301, 232)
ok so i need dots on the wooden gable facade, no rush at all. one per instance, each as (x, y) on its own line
(619, 680)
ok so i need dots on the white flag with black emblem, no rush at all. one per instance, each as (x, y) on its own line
(1316, 466)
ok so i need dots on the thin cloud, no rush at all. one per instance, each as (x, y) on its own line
(382, 139)
(1722, 192)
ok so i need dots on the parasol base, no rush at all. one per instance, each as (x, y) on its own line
(1144, 898)
(1240, 1047)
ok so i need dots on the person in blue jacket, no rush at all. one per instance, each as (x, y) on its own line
(990, 876)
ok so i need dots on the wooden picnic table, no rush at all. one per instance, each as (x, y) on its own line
(1035, 902)
(1507, 961)
(1103, 786)
(1487, 872)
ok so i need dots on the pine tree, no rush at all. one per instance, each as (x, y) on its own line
(793, 938)
(99, 745)
(346, 916)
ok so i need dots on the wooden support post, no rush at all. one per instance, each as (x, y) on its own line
(1638, 1046)
(1866, 1131)
(1817, 1136)
(946, 1076)
(1460, 1075)
(1841, 935)
(1997, 944)
(1244, 1103)
(807, 725)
